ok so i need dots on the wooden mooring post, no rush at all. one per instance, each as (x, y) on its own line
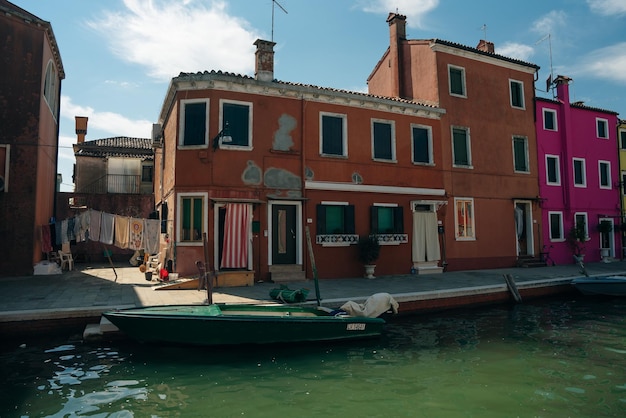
(510, 283)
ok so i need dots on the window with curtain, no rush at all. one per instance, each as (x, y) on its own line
(422, 144)
(382, 137)
(517, 94)
(335, 219)
(456, 80)
(464, 218)
(194, 123)
(238, 116)
(333, 138)
(460, 147)
(520, 154)
(192, 224)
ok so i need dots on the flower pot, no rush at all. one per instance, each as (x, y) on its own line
(369, 271)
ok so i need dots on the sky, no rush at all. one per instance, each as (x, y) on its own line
(120, 55)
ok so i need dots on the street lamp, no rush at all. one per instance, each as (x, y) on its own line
(222, 138)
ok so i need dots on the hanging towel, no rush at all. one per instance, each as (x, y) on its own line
(136, 234)
(95, 218)
(121, 231)
(46, 244)
(107, 226)
(151, 235)
(64, 236)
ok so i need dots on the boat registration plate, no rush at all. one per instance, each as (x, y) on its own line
(355, 327)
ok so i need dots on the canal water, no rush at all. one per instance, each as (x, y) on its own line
(552, 358)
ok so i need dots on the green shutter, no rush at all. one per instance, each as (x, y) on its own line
(398, 220)
(382, 141)
(332, 135)
(349, 219)
(238, 118)
(321, 219)
(461, 156)
(195, 124)
(421, 152)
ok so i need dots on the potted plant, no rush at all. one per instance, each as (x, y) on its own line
(369, 250)
(575, 239)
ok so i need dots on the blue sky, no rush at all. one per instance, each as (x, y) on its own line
(119, 55)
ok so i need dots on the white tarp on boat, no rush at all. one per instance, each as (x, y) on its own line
(373, 307)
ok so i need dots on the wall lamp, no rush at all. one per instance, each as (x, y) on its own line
(222, 138)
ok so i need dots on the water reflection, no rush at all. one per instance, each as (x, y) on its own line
(555, 358)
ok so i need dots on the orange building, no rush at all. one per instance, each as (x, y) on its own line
(30, 86)
(487, 147)
(254, 162)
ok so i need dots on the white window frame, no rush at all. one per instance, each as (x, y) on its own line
(621, 137)
(429, 130)
(181, 124)
(225, 145)
(393, 140)
(521, 87)
(605, 122)
(457, 200)
(456, 67)
(50, 88)
(344, 119)
(561, 232)
(558, 170)
(584, 172)
(468, 145)
(526, 154)
(556, 122)
(179, 217)
(608, 173)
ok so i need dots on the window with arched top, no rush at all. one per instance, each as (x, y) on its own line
(50, 88)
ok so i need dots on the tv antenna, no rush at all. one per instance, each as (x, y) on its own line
(551, 77)
(484, 29)
(274, 2)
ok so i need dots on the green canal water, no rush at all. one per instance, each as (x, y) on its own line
(553, 358)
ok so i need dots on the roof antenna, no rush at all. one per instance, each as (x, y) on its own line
(550, 80)
(281, 8)
(484, 29)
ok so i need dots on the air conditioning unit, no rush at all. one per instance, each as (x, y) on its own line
(157, 135)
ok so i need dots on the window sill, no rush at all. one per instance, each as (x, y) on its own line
(392, 239)
(336, 240)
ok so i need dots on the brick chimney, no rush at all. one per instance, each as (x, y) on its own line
(81, 128)
(397, 34)
(264, 60)
(486, 46)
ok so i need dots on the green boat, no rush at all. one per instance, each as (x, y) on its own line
(218, 324)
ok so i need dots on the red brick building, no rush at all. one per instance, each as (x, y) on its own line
(30, 83)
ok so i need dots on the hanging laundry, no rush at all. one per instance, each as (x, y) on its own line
(95, 217)
(152, 231)
(136, 231)
(64, 236)
(121, 231)
(46, 244)
(107, 227)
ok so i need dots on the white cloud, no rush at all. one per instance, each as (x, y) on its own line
(608, 7)
(414, 10)
(517, 51)
(169, 37)
(550, 22)
(112, 124)
(605, 63)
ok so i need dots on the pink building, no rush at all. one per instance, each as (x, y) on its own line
(578, 177)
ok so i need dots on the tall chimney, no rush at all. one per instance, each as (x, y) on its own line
(486, 46)
(264, 60)
(397, 34)
(81, 128)
(562, 87)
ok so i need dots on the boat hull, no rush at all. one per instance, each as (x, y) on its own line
(604, 286)
(240, 324)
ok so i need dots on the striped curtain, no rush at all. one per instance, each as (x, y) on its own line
(237, 234)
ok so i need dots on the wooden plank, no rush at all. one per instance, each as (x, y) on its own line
(510, 282)
(182, 284)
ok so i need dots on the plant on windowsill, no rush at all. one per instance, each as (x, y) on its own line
(369, 251)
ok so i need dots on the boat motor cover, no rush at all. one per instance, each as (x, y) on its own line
(374, 306)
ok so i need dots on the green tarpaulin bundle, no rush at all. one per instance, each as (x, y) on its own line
(287, 295)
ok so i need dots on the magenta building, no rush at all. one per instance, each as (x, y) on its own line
(578, 177)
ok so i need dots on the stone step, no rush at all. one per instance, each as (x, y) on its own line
(284, 273)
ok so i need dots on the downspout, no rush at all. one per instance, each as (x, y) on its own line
(303, 173)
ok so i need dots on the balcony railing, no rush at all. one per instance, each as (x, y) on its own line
(115, 183)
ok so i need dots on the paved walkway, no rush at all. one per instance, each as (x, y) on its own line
(90, 290)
